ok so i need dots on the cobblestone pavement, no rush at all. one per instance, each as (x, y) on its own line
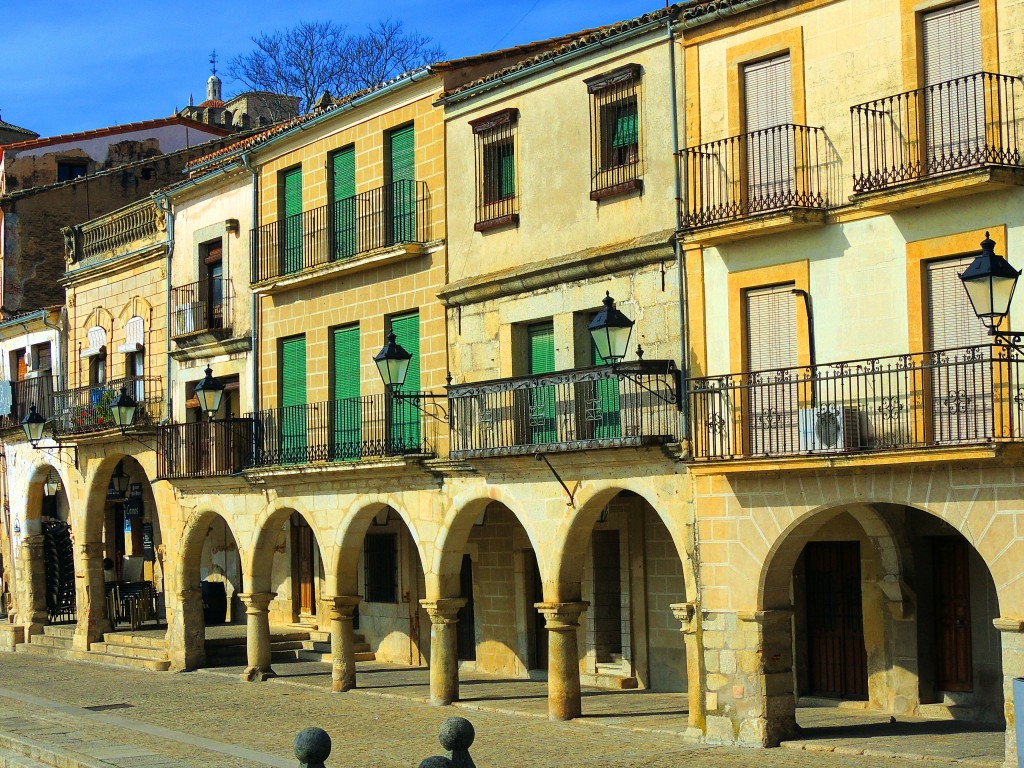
(150, 719)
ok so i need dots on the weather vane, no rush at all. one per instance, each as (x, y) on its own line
(213, 61)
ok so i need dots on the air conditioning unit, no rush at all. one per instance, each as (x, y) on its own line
(829, 429)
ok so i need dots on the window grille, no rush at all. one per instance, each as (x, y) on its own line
(380, 562)
(615, 162)
(497, 193)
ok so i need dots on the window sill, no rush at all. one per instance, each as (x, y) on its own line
(617, 190)
(508, 220)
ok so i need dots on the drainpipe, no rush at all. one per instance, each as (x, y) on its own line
(253, 334)
(684, 326)
(163, 204)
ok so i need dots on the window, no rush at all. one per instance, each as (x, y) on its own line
(380, 564)
(293, 400)
(346, 406)
(615, 166)
(497, 200)
(343, 196)
(768, 102)
(290, 220)
(68, 170)
(541, 350)
(406, 433)
(98, 369)
(401, 171)
(212, 295)
(771, 345)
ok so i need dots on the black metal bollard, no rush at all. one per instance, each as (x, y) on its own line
(312, 747)
(457, 735)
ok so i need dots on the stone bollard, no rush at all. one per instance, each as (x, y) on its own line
(312, 747)
(456, 735)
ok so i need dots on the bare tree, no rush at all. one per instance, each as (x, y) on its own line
(317, 56)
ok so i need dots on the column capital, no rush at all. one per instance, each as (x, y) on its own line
(339, 607)
(562, 616)
(444, 610)
(765, 618)
(256, 602)
(685, 613)
(1005, 624)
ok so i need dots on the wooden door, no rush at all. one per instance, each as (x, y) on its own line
(835, 620)
(305, 593)
(952, 615)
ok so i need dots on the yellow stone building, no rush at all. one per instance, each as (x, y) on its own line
(798, 481)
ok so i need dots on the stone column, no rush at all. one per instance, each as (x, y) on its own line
(31, 568)
(563, 619)
(1012, 637)
(749, 684)
(91, 597)
(186, 637)
(257, 635)
(444, 648)
(689, 617)
(339, 610)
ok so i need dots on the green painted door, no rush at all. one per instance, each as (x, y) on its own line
(406, 433)
(403, 185)
(347, 432)
(291, 221)
(543, 426)
(293, 400)
(605, 409)
(343, 172)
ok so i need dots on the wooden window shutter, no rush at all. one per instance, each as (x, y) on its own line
(343, 173)
(346, 362)
(403, 154)
(347, 407)
(768, 93)
(542, 347)
(407, 329)
(951, 319)
(771, 328)
(293, 371)
(292, 182)
(952, 42)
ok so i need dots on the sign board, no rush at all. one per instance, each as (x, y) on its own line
(148, 548)
(112, 493)
(135, 491)
(132, 508)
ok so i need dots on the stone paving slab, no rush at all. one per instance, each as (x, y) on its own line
(180, 717)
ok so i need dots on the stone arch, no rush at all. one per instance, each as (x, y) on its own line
(190, 551)
(352, 531)
(574, 535)
(444, 568)
(35, 476)
(257, 566)
(136, 306)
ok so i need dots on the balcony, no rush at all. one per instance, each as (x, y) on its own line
(131, 228)
(87, 409)
(23, 395)
(201, 309)
(949, 398)
(392, 215)
(779, 177)
(927, 135)
(374, 426)
(586, 408)
(204, 448)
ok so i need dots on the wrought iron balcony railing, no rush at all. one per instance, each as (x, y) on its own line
(774, 169)
(965, 123)
(204, 448)
(633, 404)
(200, 307)
(87, 409)
(390, 215)
(16, 397)
(951, 397)
(341, 430)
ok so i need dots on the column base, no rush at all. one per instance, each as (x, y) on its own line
(257, 675)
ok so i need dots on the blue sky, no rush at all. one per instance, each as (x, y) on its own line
(72, 65)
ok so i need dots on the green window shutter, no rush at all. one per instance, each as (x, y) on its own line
(343, 177)
(293, 400)
(291, 221)
(508, 170)
(543, 426)
(405, 417)
(403, 185)
(346, 404)
(606, 395)
(626, 132)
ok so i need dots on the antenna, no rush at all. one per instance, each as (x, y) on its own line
(213, 61)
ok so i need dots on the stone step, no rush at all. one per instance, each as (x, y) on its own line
(129, 651)
(157, 665)
(945, 711)
(615, 682)
(51, 641)
(325, 658)
(36, 649)
(135, 641)
(275, 637)
(325, 647)
(59, 630)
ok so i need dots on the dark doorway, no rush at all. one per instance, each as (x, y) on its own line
(466, 628)
(835, 620)
(955, 671)
(537, 633)
(607, 607)
(302, 539)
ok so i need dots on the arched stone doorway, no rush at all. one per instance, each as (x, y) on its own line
(886, 604)
(44, 571)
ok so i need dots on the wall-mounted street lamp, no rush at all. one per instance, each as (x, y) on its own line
(119, 479)
(209, 393)
(393, 364)
(990, 281)
(52, 483)
(123, 410)
(610, 331)
(33, 424)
